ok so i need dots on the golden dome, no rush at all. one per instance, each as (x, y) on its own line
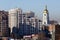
(45, 10)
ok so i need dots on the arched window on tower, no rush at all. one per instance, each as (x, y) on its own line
(44, 14)
(44, 22)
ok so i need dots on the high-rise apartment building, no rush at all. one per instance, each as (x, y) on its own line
(34, 24)
(4, 29)
(31, 24)
(15, 17)
(29, 14)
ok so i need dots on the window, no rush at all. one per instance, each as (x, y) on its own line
(44, 22)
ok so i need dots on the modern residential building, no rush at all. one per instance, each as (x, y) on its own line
(31, 24)
(30, 19)
(4, 29)
(15, 17)
(29, 14)
(34, 24)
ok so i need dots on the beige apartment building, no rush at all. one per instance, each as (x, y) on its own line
(15, 17)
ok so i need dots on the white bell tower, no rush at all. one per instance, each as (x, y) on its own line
(45, 16)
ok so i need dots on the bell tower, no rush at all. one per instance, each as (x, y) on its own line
(45, 16)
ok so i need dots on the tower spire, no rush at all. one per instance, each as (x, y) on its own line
(45, 6)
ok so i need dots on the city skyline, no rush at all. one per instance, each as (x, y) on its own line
(33, 5)
(28, 25)
(29, 20)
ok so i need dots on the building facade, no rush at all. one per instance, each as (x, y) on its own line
(29, 14)
(57, 32)
(15, 17)
(30, 23)
(33, 24)
(4, 29)
(51, 29)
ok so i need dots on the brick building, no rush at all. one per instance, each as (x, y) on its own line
(57, 32)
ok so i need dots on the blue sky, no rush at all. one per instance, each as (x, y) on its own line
(36, 6)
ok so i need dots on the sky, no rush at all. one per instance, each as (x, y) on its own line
(37, 6)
